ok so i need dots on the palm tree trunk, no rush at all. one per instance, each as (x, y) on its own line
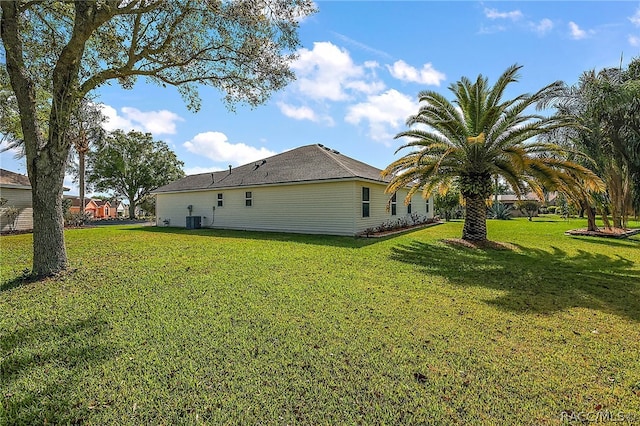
(475, 221)
(591, 215)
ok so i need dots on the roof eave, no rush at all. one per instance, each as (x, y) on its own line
(286, 183)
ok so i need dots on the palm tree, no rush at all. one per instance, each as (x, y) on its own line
(479, 136)
(606, 104)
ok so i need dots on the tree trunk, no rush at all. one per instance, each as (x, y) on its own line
(591, 216)
(45, 164)
(132, 209)
(475, 221)
(49, 252)
(81, 180)
(46, 160)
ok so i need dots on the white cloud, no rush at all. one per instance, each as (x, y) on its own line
(298, 113)
(365, 87)
(160, 122)
(635, 19)
(156, 122)
(634, 40)
(385, 112)
(303, 113)
(542, 27)
(427, 75)
(326, 71)
(215, 146)
(514, 15)
(578, 33)
(115, 121)
(199, 170)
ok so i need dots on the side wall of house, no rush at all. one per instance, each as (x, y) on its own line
(381, 208)
(323, 208)
(20, 199)
(334, 208)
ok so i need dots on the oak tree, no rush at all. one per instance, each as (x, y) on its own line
(70, 48)
(133, 164)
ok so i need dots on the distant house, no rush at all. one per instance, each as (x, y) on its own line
(96, 208)
(118, 208)
(311, 189)
(103, 209)
(91, 208)
(75, 203)
(16, 190)
(511, 199)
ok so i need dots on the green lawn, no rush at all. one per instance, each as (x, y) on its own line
(169, 326)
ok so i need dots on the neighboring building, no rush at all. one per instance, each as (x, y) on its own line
(96, 208)
(103, 210)
(16, 189)
(118, 208)
(75, 203)
(511, 199)
(311, 189)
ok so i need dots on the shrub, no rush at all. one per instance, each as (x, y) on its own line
(77, 219)
(528, 207)
(11, 213)
(500, 211)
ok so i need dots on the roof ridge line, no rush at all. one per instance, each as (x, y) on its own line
(326, 152)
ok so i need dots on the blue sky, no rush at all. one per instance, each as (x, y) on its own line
(361, 67)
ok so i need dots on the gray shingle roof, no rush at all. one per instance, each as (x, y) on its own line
(304, 164)
(11, 178)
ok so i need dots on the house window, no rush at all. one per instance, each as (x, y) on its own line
(219, 200)
(365, 202)
(393, 205)
(248, 199)
(409, 208)
(106, 211)
(427, 206)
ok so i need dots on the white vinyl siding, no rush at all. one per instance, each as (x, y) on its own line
(305, 208)
(20, 199)
(379, 201)
(333, 208)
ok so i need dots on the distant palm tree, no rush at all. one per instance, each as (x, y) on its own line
(479, 136)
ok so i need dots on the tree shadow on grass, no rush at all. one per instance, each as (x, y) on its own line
(17, 282)
(610, 242)
(315, 239)
(534, 280)
(42, 368)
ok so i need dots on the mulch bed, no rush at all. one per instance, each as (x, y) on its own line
(605, 232)
(399, 230)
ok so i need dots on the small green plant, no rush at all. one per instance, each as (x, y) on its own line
(11, 213)
(448, 205)
(77, 218)
(528, 207)
(500, 211)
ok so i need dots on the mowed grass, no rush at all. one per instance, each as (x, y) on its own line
(171, 326)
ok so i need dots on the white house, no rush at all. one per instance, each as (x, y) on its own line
(16, 190)
(312, 189)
